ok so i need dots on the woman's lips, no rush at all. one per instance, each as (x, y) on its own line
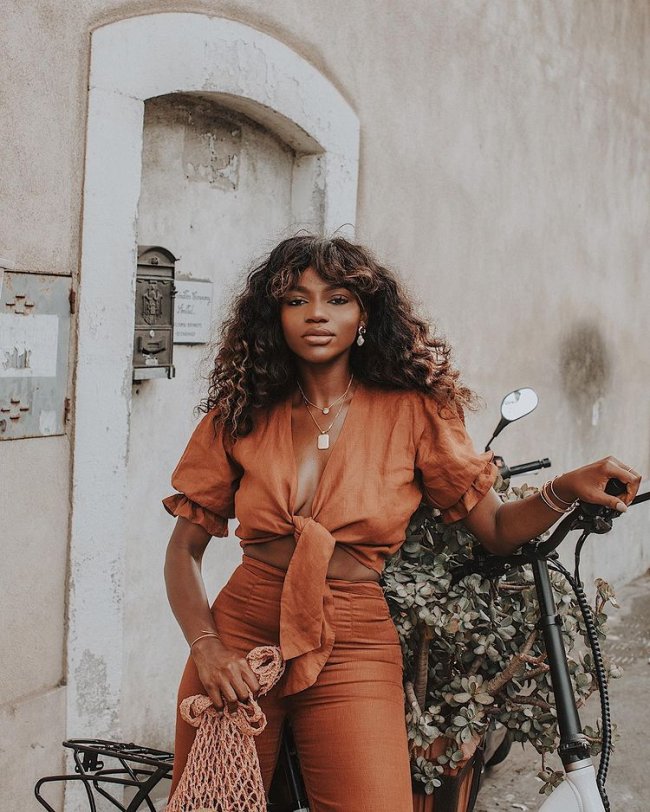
(318, 340)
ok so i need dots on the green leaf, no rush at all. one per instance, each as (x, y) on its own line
(483, 699)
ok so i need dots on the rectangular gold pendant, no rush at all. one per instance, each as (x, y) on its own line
(323, 441)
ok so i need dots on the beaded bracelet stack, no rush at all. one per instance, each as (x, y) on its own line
(544, 495)
(205, 634)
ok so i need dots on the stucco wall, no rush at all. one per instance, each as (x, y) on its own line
(210, 220)
(504, 171)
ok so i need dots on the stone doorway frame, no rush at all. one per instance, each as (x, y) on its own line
(133, 60)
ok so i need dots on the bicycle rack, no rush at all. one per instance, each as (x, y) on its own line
(144, 767)
(140, 767)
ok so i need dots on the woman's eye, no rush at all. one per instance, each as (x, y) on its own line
(335, 300)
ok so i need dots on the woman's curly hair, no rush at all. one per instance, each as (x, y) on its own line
(255, 368)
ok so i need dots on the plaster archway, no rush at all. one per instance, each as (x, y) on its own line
(133, 60)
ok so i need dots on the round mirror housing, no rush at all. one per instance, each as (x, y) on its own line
(518, 404)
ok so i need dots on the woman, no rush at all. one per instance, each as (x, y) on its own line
(331, 413)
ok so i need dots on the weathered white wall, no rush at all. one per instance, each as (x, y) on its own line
(253, 74)
(504, 170)
(210, 219)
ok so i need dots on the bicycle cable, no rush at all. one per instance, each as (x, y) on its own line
(599, 666)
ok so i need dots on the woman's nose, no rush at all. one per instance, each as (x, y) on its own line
(316, 312)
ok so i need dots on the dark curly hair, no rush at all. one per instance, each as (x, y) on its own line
(254, 367)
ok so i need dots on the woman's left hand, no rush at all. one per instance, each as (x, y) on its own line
(588, 483)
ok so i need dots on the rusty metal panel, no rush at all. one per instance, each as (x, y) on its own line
(34, 346)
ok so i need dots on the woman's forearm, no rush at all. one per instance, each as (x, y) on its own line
(225, 674)
(185, 588)
(520, 521)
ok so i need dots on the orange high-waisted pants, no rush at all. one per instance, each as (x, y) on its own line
(349, 726)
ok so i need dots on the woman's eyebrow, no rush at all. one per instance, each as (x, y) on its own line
(303, 289)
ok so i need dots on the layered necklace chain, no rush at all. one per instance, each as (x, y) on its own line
(323, 441)
(326, 409)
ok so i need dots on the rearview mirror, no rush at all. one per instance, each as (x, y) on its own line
(515, 405)
(518, 404)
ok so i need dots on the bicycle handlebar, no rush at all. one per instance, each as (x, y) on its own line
(588, 517)
(592, 518)
(526, 467)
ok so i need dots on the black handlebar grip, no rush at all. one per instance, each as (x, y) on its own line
(615, 487)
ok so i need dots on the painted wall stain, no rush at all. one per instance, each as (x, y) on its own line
(585, 365)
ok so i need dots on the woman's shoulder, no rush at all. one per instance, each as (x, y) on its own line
(402, 396)
(423, 409)
(396, 405)
(380, 393)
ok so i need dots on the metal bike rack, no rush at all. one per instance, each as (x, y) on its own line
(139, 767)
(100, 763)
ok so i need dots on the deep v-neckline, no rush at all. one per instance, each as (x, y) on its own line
(351, 412)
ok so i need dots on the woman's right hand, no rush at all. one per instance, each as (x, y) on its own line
(226, 675)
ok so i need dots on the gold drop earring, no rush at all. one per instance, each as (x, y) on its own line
(360, 337)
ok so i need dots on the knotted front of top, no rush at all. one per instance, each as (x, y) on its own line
(307, 606)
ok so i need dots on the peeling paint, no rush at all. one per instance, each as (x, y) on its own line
(91, 677)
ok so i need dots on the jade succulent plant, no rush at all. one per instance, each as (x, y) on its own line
(472, 650)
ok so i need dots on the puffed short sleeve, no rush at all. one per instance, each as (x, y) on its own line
(455, 477)
(206, 478)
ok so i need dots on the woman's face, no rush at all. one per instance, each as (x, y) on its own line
(319, 320)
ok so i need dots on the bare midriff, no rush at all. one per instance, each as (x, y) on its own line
(342, 565)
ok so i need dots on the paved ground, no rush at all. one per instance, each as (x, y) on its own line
(514, 784)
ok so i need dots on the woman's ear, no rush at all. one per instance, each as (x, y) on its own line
(363, 317)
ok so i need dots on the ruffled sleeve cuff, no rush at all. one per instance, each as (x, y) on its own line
(179, 505)
(482, 483)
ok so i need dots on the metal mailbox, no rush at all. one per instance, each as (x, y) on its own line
(153, 346)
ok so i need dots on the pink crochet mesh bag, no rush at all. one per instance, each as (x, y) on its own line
(222, 773)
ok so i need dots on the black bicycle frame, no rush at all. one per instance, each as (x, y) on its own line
(573, 744)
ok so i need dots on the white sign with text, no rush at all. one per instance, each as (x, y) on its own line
(192, 311)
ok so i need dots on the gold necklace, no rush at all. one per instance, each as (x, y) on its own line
(323, 440)
(326, 409)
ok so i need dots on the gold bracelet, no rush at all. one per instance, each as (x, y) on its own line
(549, 502)
(207, 634)
(559, 498)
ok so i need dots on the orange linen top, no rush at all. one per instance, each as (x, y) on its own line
(395, 448)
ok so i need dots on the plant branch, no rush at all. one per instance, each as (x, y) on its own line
(422, 664)
(534, 701)
(536, 672)
(409, 691)
(517, 662)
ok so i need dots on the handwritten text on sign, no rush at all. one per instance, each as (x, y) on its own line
(192, 311)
